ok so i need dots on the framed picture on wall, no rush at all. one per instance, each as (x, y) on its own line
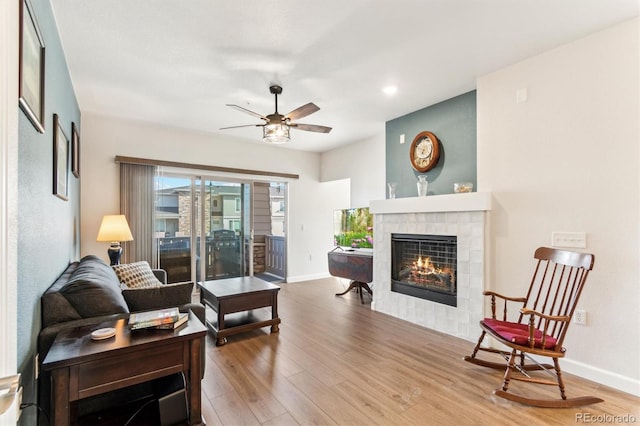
(60, 161)
(31, 74)
(75, 150)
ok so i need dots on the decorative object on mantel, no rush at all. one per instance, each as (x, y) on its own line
(460, 187)
(424, 152)
(392, 190)
(114, 229)
(422, 185)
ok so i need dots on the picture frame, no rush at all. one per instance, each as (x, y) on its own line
(75, 150)
(60, 160)
(31, 67)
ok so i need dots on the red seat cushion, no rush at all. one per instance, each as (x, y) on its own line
(518, 333)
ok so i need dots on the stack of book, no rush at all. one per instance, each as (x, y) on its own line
(165, 319)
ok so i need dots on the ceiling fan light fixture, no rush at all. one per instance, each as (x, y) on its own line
(275, 133)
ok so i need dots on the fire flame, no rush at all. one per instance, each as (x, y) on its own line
(425, 266)
(423, 272)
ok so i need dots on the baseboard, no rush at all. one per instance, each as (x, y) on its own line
(607, 378)
(309, 277)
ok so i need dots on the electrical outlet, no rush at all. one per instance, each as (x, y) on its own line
(580, 316)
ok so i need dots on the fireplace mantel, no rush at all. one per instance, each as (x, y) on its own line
(465, 202)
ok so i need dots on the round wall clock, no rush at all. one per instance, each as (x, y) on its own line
(424, 152)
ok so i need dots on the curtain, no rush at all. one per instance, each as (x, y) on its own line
(137, 204)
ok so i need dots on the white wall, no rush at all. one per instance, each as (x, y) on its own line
(363, 163)
(311, 203)
(567, 160)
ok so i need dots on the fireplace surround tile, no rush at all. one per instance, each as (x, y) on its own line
(468, 225)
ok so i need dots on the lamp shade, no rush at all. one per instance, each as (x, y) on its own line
(114, 228)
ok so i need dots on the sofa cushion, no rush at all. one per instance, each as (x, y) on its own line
(93, 289)
(163, 296)
(136, 275)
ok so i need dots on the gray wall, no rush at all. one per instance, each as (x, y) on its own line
(454, 123)
(48, 227)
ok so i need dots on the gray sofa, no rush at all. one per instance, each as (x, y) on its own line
(88, 292)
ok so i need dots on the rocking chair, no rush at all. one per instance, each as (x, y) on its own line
(541, 326)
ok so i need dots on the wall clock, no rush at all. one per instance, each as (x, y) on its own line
(424, 152)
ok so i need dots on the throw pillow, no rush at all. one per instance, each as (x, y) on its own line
(164, 296)
(136, 275)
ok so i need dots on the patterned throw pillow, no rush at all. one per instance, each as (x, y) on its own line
(136, 275)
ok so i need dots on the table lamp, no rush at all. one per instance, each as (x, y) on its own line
(114, 228)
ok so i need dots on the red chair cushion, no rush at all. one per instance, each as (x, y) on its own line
(518, 333)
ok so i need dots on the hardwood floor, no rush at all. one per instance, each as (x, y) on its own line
(337, 362)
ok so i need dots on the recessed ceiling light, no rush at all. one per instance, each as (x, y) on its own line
(390, 90)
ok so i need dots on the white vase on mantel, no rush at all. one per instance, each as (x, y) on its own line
(422, 185)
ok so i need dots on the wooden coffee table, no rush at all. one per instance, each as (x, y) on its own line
(81, 367)
(236, 304)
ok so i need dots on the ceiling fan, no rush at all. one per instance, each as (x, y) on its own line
(276, 126)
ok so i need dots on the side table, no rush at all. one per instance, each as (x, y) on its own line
(81, 367)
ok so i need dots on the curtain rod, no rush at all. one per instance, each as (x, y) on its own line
(151, 162)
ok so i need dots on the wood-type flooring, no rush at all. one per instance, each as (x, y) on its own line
(337, 362)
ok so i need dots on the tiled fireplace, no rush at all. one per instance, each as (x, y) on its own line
(462, 216)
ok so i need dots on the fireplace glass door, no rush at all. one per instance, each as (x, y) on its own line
(424, 266)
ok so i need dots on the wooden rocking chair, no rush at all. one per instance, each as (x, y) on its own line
(543, 319)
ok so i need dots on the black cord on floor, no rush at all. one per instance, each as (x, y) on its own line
(33, 404)
(138, 411)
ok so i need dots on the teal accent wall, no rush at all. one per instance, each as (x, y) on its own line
(48, 227)
(454, 123)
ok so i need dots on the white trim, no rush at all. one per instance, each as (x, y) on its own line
(9, 19)
(466, 202)
(608, 378)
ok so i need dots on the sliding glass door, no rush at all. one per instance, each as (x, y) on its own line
(201, 227)
(224, 225)
(210, 228)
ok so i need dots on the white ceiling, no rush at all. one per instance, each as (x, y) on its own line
(178, 62)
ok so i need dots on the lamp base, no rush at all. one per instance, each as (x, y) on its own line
(114, 252)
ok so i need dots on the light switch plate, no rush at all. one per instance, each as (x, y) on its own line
(569, 239)
(521, 95)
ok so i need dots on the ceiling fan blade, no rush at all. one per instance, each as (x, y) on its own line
(302, 111)
(311, 127)
(244, 125)
(247, 111)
